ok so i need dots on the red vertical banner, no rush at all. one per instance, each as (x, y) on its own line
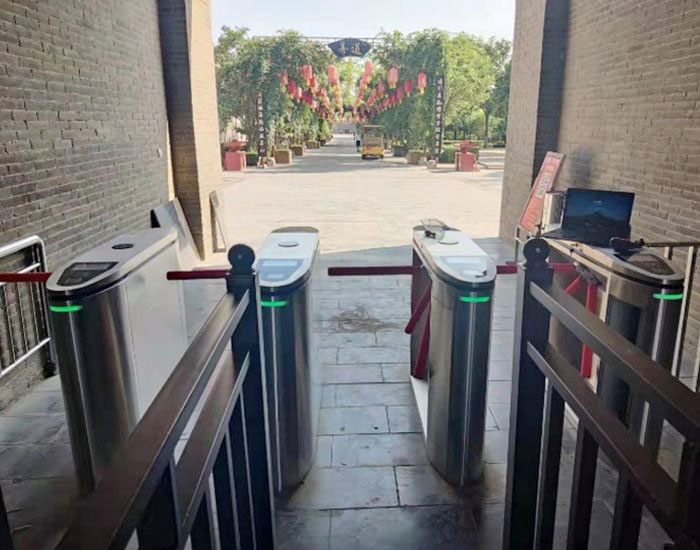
(532, 215)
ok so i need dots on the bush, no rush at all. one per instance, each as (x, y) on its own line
(448, 154)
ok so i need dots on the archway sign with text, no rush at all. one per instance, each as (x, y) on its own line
(350, 47)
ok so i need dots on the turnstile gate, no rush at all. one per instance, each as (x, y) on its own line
(119, 331)
(285, 264)
(462, 279)
(643, 292)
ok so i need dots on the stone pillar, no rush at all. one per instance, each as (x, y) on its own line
(190, 84)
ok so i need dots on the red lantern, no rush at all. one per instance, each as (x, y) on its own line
(422, 82)
(408, 86)
(308, 72)
(393, 77)
(292, 87)
(368, 67)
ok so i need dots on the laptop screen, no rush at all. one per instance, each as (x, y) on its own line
(587, 208)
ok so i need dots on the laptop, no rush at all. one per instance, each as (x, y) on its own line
(594, 217)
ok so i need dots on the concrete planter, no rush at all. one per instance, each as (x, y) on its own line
(298, 150)
(283, 156)
(414, 157)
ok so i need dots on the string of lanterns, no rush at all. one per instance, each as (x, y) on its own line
(315, 96)
(330, 106)
(364, 82)
(378, 100)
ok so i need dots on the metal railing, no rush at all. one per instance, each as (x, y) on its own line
(24, 319)
(166, 500)
(544, 383)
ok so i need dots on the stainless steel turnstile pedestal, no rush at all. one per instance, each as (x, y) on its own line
(285, 263)
(642, 293)
(462, 278)
(119, 331)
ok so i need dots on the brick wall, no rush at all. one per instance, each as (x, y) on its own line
(188, 54)
(630, 114)
(82, 126)
(522, 110)
(205, 112)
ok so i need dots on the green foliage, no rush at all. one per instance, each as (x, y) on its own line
(469, 76)
(477, 74)
(349, 72)
(424, 51)
(474, 70)
(501, 93)
(448, 153)
(246, 65)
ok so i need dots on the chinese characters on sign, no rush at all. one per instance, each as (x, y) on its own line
(260, 125)
(350, 47)
(439, 116)
(531, 220)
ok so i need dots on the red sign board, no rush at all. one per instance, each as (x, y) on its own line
(532, 215)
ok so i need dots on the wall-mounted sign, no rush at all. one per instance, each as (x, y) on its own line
(439, 116)
(260, 125)
(350, 47)
(531, 220)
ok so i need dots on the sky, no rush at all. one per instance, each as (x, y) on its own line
(365, 18)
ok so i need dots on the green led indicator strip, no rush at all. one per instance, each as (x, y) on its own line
(474, 299)
(672, 297)
(273, 303)
(65, 309)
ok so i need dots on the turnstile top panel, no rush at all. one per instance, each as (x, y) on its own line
(108, 263)
(286, 257)
(645, 265)
(454, 257)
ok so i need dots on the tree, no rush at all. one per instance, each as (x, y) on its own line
(470, 66)
(246, 65)
(496, 104)
(469, 76)
(417, 52)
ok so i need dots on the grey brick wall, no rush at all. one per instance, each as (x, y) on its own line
(83, 125)
(629, 113)
(522, 111)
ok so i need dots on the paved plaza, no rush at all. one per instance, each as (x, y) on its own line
(358, 204)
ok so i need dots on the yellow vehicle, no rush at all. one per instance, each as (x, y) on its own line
(372, 141)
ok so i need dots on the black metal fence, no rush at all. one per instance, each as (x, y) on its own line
(544, 381)
(225, 461)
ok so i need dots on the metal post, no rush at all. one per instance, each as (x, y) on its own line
(687, 289)
(527, 398)
(248, 340)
